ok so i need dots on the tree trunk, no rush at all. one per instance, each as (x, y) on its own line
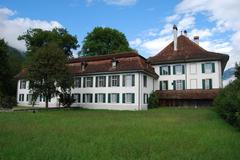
(46, 102)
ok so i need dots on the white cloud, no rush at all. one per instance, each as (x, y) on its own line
(121, 2)
(186, 22)
(115, 2)
(10, 29)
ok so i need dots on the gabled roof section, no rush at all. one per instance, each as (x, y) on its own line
(187, 51)
(126, 62)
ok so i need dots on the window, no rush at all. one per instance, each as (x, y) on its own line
(101, 81)
(179, 85)
(77, 82)
(23, 84)
(178, 69)
(145, 98)
(76, 97)
(128, 98)
(163, 85)
(207, 83)
(100, 98)
(87, 98)
(129, 80)
(113, 98)
(165, 70)
(113, 81)
(145, 81)
(88, 82)
(208, 68)
(21, 97)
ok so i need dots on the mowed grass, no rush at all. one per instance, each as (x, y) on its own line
(166, 133)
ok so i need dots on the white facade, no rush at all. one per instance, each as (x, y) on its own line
(192, 75)
(139, 92)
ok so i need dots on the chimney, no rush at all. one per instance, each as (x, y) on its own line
(185, 33)
(196, 39)
(175, 31)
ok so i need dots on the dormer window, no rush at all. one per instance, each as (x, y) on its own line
(114, 63)
(83, 66)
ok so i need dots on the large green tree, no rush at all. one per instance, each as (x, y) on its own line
(37, 38)
(48, 72)
(103, 41)
(4, 69)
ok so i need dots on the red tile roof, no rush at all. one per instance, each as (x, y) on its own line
(126, 62)
(187, 51)
(208, 94)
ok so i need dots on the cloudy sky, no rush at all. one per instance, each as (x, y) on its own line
(147, 24)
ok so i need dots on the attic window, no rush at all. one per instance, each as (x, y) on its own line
(83, 66)
(114, 63)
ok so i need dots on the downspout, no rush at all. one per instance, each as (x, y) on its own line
(139, 85)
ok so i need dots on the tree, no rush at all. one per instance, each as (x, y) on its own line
(237, 71)
(48, 73)
(103, 41)
(4, 69)
(36, 38)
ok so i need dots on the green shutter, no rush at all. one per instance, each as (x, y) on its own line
(169, 70)
(79, 98)
(203, 83)
(84, 82)
(104, 98)
(160, 70)
(109, 81)
(174, 85)
(91, 81)
(123, 80)
(118, 98)
(83, 98)
(174, 70)
(183, 69)
(91, 98)
(96, 99)
(123, 98)
(183, 81)
(203, 68)
(160, 85)
(133, 98)
(167, 85)
(213, 67)
(210, 86)
(96, 81)
(109, 97)
(118, 81)
(104, 81)
(133, 80)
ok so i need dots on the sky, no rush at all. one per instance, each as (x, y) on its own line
(147, 24)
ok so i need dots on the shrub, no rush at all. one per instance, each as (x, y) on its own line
(66, 99)
(227, 103)
(153, 100)
(8, 102)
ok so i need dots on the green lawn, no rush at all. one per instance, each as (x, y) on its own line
(166, 133)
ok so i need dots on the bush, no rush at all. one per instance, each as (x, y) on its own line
(8, 102)
(227, 103)
(66, 100)
(153, 100)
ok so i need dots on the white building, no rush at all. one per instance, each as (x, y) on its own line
(183, 73)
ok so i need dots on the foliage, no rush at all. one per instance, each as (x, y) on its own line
(227, 103)
(237, 72)
(47, 72)
(37, 38)
(165, 134)
(8, 101)
(66, 99)
(153, 100)
(5, 76)
(103, 41)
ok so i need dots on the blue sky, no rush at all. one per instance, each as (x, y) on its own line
(147, 24)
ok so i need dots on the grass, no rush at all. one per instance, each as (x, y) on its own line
(166, 133)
